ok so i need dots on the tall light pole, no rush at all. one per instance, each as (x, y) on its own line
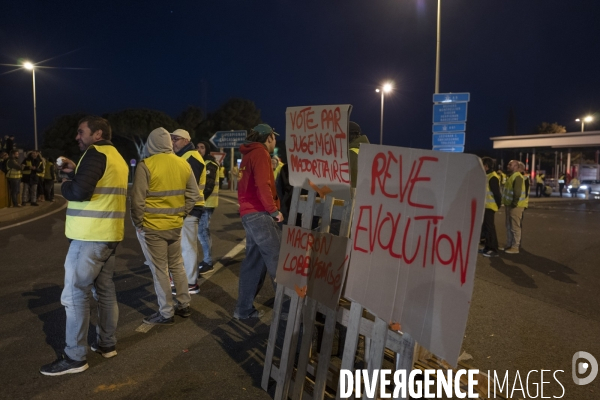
(584, 120)
(29, 66)
(386, 88)
(437, 50)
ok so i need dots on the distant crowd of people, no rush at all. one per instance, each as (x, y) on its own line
(30, 180)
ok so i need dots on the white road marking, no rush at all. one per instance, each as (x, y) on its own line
(36, 218)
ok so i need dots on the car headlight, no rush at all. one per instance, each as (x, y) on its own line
(583, 187)
(569, 187)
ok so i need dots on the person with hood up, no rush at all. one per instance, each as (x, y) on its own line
(259, 209)
(184, 148)
(164, 191)
(356, 138)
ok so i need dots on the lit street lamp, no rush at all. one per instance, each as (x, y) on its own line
(29, 66)
(387, 87)
(584, 120)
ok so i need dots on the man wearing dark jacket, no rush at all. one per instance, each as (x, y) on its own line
(34, 167)
(211, 197)
(493, 201)
(259, 209)
(97, 195)
(184, 148)
(14, 174)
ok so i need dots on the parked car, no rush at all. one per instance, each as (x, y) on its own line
(590, 186)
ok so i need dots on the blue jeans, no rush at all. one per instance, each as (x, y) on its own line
(89, 268)
(204, 234)
(263, 238)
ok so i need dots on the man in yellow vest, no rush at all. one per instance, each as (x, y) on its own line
(221, 176)
(561, 183)
(211, 195)
(493, 200)
(539, 184)
(164, 191)
(97, 195)
(355, 137)
(32, 168)
(14, 175)
(184, 148)
(514, 198)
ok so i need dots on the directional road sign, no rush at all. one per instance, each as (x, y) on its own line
(228, 138)
(449, 139)
(452, 112)
(451, 97)
(459, 127)
(451, 149)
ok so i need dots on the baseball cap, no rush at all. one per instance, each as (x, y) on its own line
(264, 129)
(181, 133)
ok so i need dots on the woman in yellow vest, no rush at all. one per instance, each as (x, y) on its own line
(164, 191)
(211, 194)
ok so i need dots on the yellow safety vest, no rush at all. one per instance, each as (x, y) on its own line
(539, 179)
(489, 197)
(277, 170)
(507, 196)
(165, 201)
(202, 180)
(48, 170)
(101, 219)
(575, 183)
(354, 150)
(14, 173)
(27, 171)
(222, 172)
(41, 174)
(213, 199)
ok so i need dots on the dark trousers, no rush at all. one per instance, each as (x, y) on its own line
(539, 189)
(561, 186)
(48, 189)
(15, 186)
(489, 229)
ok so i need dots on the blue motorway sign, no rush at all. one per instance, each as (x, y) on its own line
(451, 97)
(449, 139)
(459, 127)
(451, 112)
(228, 138)
(451, 149)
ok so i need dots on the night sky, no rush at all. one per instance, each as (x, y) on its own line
(538, 56)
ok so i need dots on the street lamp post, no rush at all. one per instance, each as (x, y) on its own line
(29, 66)
(387, 87)
(584, 120)
(437, 50)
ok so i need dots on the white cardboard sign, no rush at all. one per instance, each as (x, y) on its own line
(313, 264)
(415, 233)
(316, 140)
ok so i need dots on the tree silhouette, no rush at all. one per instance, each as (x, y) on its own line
(546, 127)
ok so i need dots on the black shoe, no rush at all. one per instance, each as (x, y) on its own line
(106, 352)
(64, 366)
(490, 253)
(184, 312)
(192, 289)
(205, 268)
(253, 314)
(158, 319)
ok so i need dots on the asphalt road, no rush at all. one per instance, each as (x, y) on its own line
(529, 311)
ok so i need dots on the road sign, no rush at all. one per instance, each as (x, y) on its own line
(219, 157)
(451, 97)
(452, 112)
(449, 139)
(460, 127)
(228, 138)
(450, 149)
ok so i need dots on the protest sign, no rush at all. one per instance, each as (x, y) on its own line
(313, 264)
(316, 140)
(415, 233)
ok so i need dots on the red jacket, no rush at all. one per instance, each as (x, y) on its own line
(256, 186)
